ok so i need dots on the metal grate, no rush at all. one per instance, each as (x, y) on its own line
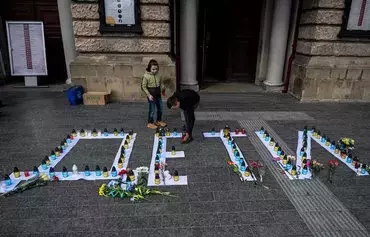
(323, 213)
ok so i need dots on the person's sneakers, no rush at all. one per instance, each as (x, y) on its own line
(152, 126)
(160, 124)
(187, 141)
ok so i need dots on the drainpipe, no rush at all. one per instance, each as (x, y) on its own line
(294, 47)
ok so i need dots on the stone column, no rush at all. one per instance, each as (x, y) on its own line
(66, 27)
(188, 44)
(278, 44)
(264, 41)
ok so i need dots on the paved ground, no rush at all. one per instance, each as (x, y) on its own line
(214, 203)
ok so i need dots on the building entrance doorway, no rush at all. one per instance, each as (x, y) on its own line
(228, 36)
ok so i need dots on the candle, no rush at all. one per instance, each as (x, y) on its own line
(262, 130)
(131, 133)
(157, 179)
(128, 138)
(74, 133)
(272, 142)
(35, 170)
(74, 169)
(247, 172)
(294, 170)
(122, 132)
(65, 172)
(87, 170)
(276, 147)
(94, 132)
(226, 131)
(44, 165)
(176, 176)
(105, 132)
(173, 152)
(57, 152)
(175, 132)
(115, 132)
(120, 163)
(304, 170)
(282, 154)
(105, 172)
(7, 180)
(126, 144)
(16, 172)
(114, 171)
(51, 172)
(327, 143)
(363, 169)
(97, 171)
(82, 133)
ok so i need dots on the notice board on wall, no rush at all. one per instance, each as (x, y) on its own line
(26, 43)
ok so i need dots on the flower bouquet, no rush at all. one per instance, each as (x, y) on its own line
(126, 189)
(332, 165)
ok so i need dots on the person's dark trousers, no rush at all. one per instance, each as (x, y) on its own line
(190, 119)
(157, 102)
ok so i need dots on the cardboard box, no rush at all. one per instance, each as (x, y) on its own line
(96, 98)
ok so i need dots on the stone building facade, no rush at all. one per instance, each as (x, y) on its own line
(294, 46)
(117, 61)
(327, 67)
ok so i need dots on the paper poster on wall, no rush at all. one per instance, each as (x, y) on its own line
(26, 48)
(119, 12)
(359, 16)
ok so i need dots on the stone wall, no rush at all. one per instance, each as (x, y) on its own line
(327, 67)
(116, 61)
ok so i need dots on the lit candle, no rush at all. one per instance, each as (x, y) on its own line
(173, 152)
(128, 138)
(122, 132)
(126, 144)
(115, 132)
(69, 139)
(175, 132)
(131, 133)
(94, 132)
(74, 133)
(105, 132)
(327, 142)
(82, 133)
(57, 152)
(262, 130)
(332, 145)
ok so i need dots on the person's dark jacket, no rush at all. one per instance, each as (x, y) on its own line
(188, 99)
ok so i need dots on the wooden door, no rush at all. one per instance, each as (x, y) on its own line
(47, 12)
(244, 22)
